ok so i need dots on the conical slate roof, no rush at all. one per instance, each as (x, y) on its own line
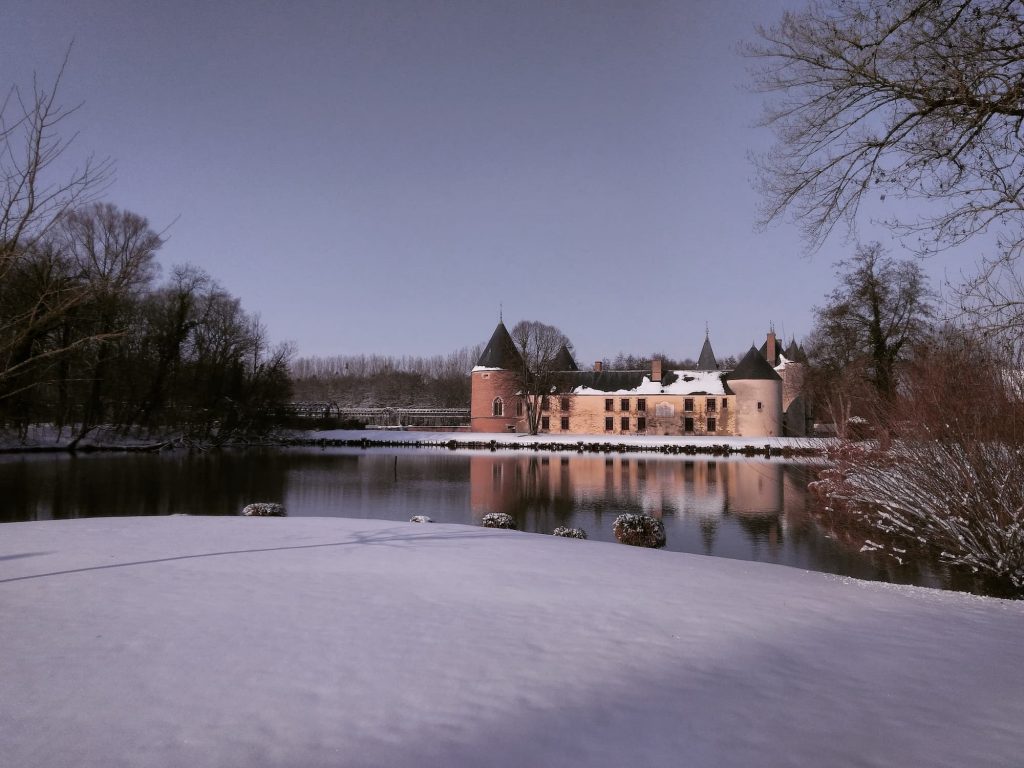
(795, 352)
(500, 351)
(753, 366)
(707, 361)
(563, 361)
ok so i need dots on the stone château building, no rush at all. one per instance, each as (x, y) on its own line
(761, 397)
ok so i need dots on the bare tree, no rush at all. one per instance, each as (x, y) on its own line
(922, 99)
(33, 198)
(539, 378)
(115, 253)
(880, 307)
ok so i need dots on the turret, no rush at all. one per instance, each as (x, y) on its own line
(758, 390)
(495, 404)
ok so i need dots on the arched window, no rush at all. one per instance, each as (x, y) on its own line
(498, 407)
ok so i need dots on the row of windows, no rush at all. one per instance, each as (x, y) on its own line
(641, 404)
(498, 409)
(710, 404)
(641, 424)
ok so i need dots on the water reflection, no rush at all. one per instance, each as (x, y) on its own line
(743, 509)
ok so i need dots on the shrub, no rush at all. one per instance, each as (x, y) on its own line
(639, 531)
(264, 509)
(570, 533)
(961, 499)
(498, 520)
(420, 519)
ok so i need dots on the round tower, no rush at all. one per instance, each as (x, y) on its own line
(758, 390)
(495, 404)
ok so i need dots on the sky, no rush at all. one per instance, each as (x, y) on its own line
(387, 177)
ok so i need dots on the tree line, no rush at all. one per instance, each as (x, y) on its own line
(920, 101)
(437, 381)
(89, 333)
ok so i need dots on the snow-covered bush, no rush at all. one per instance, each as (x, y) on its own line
(498, 520)
(639, 530)
(420, 519)
(264, 509)
(961, 499)
(570, 533)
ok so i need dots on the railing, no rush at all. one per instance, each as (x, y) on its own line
(386, 416)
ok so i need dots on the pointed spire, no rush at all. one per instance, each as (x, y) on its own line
(563, 361)
(707, 361)
(500, 351)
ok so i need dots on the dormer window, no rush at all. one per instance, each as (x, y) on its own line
(498, 407)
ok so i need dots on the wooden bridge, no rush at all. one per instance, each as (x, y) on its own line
(386, 416)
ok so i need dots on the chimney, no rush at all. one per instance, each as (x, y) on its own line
(655, 370)
(770, 350)
(598, 366)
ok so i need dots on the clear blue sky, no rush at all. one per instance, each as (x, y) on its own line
(376, 176)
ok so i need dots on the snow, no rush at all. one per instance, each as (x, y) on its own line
(477, 368)
(509, 438)
(688, 383)
(181, 641)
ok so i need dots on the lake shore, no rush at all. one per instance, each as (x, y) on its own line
(45, 439)
(328, 641)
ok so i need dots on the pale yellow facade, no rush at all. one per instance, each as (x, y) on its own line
(630, 414)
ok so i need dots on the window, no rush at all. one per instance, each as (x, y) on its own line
(725, 404)
(565, 424)
(711, 404)
(609, 404)
(624, 404)
(687, 424)
(641, 424)
(565, 404)
(609, 424)
(641, 405)
(624, 423)
(519, 407)
(545, 423)
(759, 405)
(711, 425)
(545, 404)
(497, 407)
(688, 404)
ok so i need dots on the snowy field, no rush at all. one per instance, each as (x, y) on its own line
(187, 641)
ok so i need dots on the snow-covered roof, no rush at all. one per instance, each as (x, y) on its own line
(683, 383)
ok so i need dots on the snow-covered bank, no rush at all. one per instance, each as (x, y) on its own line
(183, 641)
(698, 444)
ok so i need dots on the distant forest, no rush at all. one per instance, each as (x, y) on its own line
(438, 381)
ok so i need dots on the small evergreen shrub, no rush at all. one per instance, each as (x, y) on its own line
(264, 509)
(420, 519)
(498, 520)
(570, 533)
(639, 531)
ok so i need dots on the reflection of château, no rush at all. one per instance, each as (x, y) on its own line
(762, 396)
(500, 482)
(541, 492)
